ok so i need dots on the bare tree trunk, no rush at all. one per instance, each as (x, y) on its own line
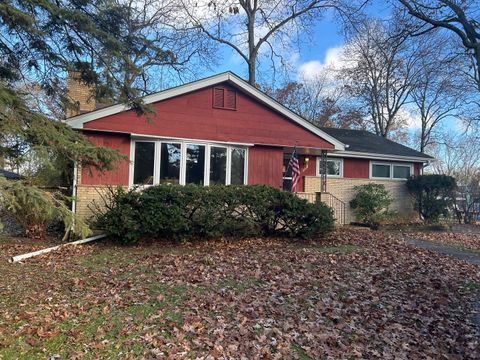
(252, 52)
(274, 16)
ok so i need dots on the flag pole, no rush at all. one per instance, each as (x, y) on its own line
(294, 165)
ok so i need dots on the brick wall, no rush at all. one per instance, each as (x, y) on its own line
(90, 197)
(343, 189)
(80, 94)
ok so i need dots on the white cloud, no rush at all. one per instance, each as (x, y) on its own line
(410, 117)
(315, 68)
(310, 69)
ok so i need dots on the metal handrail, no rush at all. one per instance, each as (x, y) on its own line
(335, 203)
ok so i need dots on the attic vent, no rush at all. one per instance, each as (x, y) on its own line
(231, 100)
(218, 97)
(224, 98)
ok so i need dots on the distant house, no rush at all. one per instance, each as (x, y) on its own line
(221, 130)
(9, 175)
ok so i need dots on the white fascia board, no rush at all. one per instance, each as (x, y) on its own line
(78, 121)
(201, 141)
(364, 155)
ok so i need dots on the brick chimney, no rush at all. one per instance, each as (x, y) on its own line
(80, 93)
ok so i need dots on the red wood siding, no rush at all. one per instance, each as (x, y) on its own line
(265, 165)
(118, 176)
(360, 168)
(356, 168)
(193, 116)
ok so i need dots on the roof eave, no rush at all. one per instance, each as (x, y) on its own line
(377, 156)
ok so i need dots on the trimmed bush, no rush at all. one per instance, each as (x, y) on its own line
(371, 203)
(183, 212)
(433, 194)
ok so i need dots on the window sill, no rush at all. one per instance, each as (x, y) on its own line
(331, 176)
(387, 179)
(224, 108)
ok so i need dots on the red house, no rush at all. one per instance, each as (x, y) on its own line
(221, 130)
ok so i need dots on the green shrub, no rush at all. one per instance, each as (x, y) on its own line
(34, 209)
(121, 218)
(433, 195)
(183, 212)
(371, 203)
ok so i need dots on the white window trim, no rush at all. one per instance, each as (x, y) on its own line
(229, 165)
(158, 157)
(208, 160)
(405, 165)
(132, 164)
(183, 160)
(391, 165)
(331, 159)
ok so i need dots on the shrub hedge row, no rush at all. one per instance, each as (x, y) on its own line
(183, 212)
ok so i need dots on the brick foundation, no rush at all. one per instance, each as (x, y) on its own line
(343, 188)
(89, 198)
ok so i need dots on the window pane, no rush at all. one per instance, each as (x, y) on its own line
(401, 172)
(333, 167)
(238, 167)
(218, 165)
(381, 171)
(144, 159)
(170, 163)
(195, 164)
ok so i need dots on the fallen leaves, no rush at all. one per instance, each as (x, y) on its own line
(356, 294)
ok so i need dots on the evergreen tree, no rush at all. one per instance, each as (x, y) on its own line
(41, 41)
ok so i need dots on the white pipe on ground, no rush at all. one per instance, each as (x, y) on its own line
(17, 258)
(74, 189)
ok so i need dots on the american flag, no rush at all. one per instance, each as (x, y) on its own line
(295, 166)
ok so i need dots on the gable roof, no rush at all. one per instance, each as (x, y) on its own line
(365, 142)
(9, 175)
(77, 121)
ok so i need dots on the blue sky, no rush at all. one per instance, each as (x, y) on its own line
(325, 35)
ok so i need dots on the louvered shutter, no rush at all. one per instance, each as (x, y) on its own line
(231, 101)
(218, 97)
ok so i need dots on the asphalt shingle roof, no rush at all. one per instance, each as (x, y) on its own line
(9, 174)
(364, 141)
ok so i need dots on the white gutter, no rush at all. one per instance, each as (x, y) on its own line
(365, 155)
(146, 136)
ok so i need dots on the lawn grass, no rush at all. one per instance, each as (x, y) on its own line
(256, 297)
(340, 249)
